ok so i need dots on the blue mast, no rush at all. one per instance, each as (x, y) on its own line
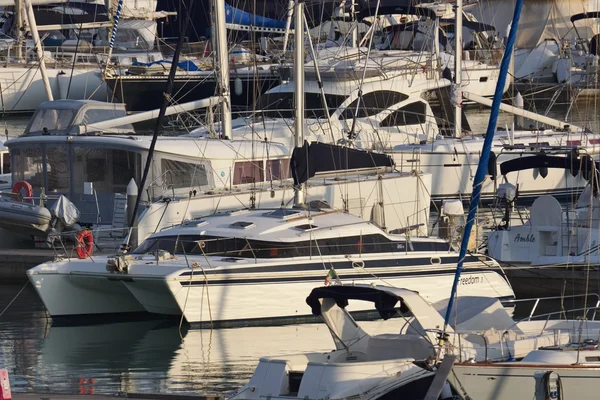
(485, 154)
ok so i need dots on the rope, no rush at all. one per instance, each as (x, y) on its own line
(14, 298)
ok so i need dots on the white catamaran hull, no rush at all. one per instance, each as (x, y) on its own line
(222, 300)
(68, 295)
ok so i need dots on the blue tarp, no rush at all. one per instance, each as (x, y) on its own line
(241, 17)
(186, 65)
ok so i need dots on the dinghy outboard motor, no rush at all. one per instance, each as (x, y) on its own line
(507, 193)
(451, 220)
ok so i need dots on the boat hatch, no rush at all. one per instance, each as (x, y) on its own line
(282, 213)
(306, 227)
(62, 117)
(234, 260)
(194, 223)
(242, 225)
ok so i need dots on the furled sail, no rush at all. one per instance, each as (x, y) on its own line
(240, 17)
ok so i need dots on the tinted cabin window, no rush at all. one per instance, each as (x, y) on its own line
(96, 115)
(373, 103)
(241, 247)
(182, 174)
(248, 172)
(278, 169)
(281, 105)
(411, 114)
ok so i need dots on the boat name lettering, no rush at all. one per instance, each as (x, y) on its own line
(470, 280)
(529, 238)
(400, 246)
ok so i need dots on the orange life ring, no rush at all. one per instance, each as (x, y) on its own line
(17, 187)
(85, 244)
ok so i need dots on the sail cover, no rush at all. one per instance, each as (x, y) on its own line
(240, 17)
(309, 160)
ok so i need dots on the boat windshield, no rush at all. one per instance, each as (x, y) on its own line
(281, 105)
(51, 120)
(250, 248)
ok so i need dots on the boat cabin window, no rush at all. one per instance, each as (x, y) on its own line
(94, 115)
(410, 114)
(51, 119)
(248, 172)
(373, 103)
(27, 166)
(278, 169)
(57, 169)
(110, 170)
(250, 248)
(281, 105)
(5, 163)
(179, 174)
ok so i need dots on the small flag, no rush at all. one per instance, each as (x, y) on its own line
(332, 276)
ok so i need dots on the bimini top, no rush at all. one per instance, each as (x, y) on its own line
(585, 15)
(571, 162)
(58, 117)
(384, 299)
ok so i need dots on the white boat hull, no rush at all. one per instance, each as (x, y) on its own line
(23, 89)
(205, 302)
(518, 382)
(80, 294)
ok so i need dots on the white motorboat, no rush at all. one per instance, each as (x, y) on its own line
(552, 249)
(400, 363)
(201, 268)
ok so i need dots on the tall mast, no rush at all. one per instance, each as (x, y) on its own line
(484, 158)
(38, 47)
(288, 24)
(299, 87)
(222, 67)
(18, 18)
(458, 48)
(113, 34)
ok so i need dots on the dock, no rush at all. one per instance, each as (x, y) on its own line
(15, 262)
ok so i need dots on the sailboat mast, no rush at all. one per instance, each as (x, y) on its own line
(38, 47)
(485, 155)
(222, 67)
(288, 25)
(113, 34)
(458, 48)
(19, 28)
(299, 86)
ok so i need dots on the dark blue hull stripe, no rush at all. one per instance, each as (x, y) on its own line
(320, 279)
(342, 264)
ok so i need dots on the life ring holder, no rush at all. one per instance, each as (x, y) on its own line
(85, 244)
(16, 190)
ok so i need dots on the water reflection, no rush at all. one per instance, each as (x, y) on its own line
(143, 356)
